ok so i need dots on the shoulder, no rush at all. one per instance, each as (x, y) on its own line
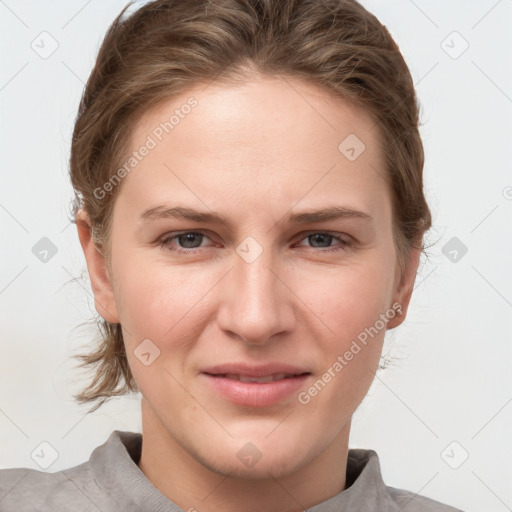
(101, 483)
(29, 489)
(365, 482)
(412, 502)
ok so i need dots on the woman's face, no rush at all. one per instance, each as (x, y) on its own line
(253, 239)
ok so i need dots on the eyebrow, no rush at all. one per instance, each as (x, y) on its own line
(302, 217)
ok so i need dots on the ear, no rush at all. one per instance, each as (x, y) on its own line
(104, 299)
(404, 287)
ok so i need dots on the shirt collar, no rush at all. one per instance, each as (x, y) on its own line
(115, 466)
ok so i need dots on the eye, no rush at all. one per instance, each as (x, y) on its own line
(324, 239)
(188, 241)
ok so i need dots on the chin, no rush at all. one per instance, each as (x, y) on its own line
(254, 457)
(274, 467)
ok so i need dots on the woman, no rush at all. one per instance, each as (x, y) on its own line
(248, 179)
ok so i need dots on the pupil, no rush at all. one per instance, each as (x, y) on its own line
(323, 237)
(188, 238)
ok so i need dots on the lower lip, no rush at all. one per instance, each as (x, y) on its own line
(255, 394)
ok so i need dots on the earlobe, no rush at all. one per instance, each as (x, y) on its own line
(404, 288)
(104, 298)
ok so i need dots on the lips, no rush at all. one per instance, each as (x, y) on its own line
(255, 386)
(246, 378)
(256, 371)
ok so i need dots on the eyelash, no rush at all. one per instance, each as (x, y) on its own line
(166, 241)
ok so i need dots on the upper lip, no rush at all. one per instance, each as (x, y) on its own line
(248, 370)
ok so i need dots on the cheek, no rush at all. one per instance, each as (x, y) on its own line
(351, 306)
(161, 302)
(351, 298)
(165, 305)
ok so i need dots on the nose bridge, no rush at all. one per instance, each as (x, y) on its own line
(256, 306)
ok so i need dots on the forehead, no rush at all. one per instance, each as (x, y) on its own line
(273, 111)
(273, 137)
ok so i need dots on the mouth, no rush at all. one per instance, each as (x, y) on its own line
(250, 386)
(261, 380)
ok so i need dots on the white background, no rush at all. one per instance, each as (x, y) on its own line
(450, 378)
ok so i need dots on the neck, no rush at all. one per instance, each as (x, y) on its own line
(193, 486)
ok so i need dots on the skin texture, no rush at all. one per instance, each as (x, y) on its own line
(254, 152)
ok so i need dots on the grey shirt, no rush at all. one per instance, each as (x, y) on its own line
(111, 481)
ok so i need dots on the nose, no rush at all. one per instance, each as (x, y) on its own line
(256, 303)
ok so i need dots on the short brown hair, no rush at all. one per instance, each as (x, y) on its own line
(168, 46)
